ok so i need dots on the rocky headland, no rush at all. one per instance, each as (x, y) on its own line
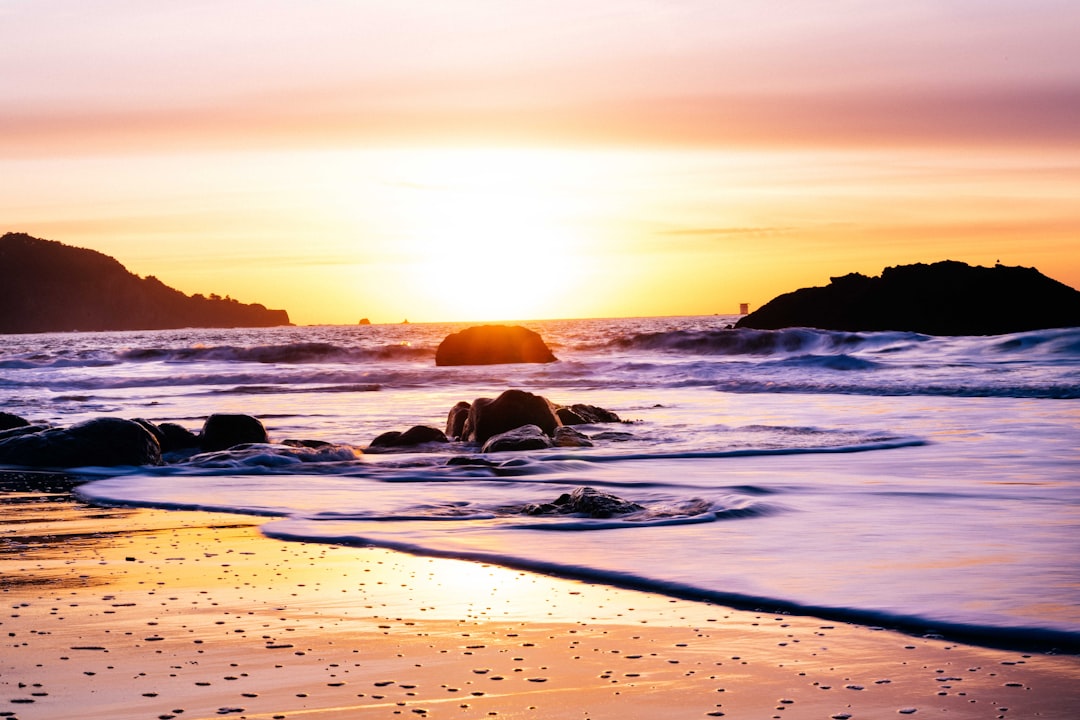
(46, 286)
(944, 298)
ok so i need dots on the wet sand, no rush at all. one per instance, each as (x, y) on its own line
(122, 613)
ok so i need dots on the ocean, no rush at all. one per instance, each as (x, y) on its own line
(928, 484)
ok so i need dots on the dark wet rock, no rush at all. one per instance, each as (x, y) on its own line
(613, 436)
(492, 345)
(151, 428)
(585, 501)
(97, 442)
(9, 421)
(512, 409)
(945, 298)
(310, 444)
(569, 437)
(222, 431)
(581, 414)
(416, 435)
(471, 461)
(23, 430)
(176, 437)
(526, 437)
(456, 419)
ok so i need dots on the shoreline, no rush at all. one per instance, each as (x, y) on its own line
(138, 613)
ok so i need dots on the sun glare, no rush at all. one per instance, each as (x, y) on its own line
(490, 235)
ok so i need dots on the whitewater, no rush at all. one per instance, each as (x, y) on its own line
(929, 484)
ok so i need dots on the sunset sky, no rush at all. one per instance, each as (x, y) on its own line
(495, 159)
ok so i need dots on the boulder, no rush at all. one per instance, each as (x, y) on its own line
(512, 409)
(97, 442)
(945, 298)
(416, 435)
(526, 437)
(223, 431)
(581, 414)
(176, 437)
(9, 421)
(456, 419)
(493, 345)
(585, 501)
(569, 437)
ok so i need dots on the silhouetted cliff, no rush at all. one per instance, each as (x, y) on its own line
(47, 286)
(945, 298)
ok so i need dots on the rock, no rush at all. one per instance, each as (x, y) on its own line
(22, 430)
(569, 437)
(222, 431)
(416, 435)
(613, 436)
(456, 419)
(97, 442)
(945, 298)
(492, 345)
(526, 437)
(581, 414)
(9, 421)
(585, 501)
(512, 409)
(175, 437)
(310, 444)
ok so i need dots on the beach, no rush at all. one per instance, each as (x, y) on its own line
(136, 613)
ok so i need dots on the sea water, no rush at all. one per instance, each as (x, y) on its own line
(930, 484)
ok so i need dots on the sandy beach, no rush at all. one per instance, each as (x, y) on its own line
(125, 613)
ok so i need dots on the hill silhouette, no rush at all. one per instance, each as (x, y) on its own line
(945, 298)
(46, 286)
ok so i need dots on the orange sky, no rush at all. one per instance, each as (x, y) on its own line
(490, 160)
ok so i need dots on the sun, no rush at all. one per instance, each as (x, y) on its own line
(490, 237)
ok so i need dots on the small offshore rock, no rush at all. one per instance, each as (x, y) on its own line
(456, 419)
(223, 431)
(9, 421)
(175, 437)
(585, 501)
(582, 414)
(569, 437)
(416, 435)
(526, 437)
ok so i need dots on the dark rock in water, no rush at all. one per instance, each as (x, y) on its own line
(222, 431)
(613, 436)
(22, 430)
(493, 345)
(581, 414)
(526, 437)
(98, 442)
(471, 461)
(456, 419)
(9, 421)
(945, 298)
(569, 437)
(176, 437)
(585, 501)
(512, 409)
(311, 444)
(416, 435)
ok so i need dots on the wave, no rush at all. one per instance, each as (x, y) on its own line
(289, 353)
(742, 341)
(1032, 638)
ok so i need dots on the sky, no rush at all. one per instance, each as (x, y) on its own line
(476, 160)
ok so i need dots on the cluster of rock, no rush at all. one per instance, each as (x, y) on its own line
(109, 441)
(515, 420)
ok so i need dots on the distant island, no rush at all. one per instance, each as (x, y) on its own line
(46, 286)
(944, 298)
